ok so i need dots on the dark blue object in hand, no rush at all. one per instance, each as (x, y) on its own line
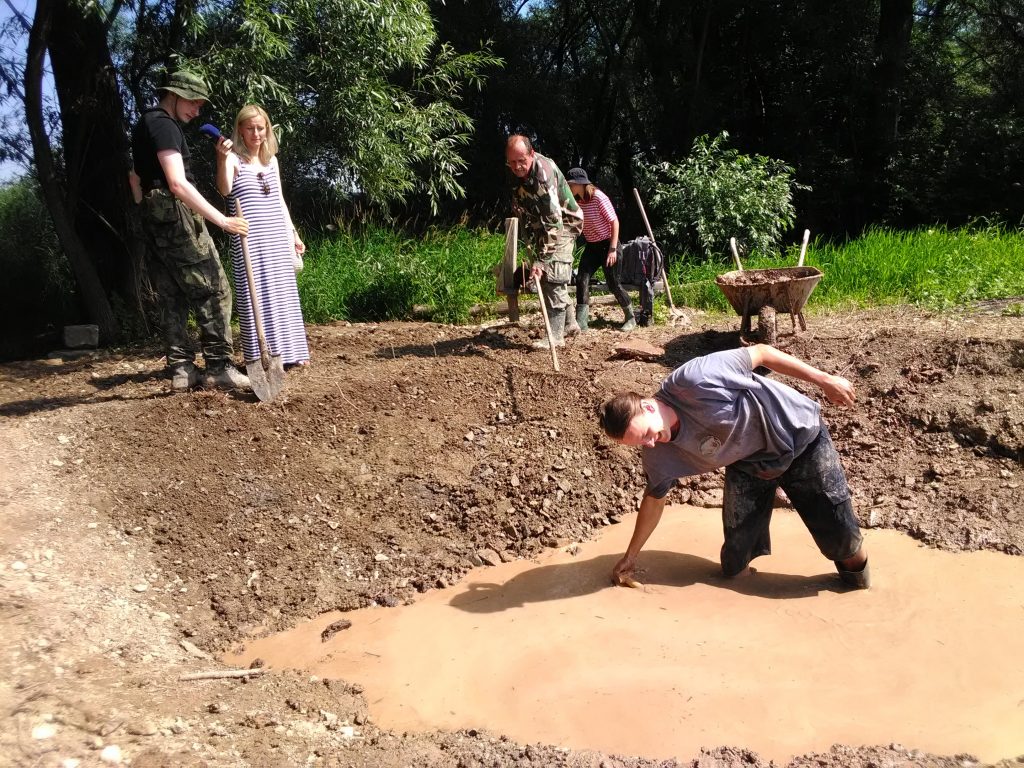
(210, 130)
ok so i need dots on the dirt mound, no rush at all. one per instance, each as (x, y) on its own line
(405, 455)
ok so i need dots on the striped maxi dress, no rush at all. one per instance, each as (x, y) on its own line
(271, 251)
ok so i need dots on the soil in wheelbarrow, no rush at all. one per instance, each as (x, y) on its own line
(145, 532)
(765, 276)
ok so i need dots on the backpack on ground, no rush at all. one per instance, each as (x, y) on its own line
(640, 265)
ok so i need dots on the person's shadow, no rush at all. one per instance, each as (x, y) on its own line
(656, 569)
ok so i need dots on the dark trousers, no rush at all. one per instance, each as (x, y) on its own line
(593, 259)
(815, 483)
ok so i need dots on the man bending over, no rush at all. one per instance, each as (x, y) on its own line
(715, 411)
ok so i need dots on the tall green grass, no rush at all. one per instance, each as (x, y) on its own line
(936, 268)
(379, 274)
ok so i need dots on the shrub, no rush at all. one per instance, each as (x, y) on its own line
(717, 193)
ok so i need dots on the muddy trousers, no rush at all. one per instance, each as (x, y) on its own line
(593, 259)
(815, 483)
(186, 273)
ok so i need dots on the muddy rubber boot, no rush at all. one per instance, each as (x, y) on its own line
(556, 319)
(572, 327)
(583, 317)
(858, 579)
(630, 323)
(184, 377)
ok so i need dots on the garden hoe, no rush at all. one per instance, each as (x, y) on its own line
(266, 374)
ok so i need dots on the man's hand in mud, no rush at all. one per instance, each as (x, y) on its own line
(622, 574)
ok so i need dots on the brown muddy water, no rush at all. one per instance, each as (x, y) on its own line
(784, 662)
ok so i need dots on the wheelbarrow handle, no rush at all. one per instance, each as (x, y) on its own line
(735, 254)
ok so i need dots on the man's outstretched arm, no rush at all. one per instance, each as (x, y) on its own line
(647, 520)
(837, 389)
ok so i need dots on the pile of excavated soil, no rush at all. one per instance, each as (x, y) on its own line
(146, 531)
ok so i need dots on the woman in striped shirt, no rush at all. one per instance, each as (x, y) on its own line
(601, 231)
(249, 175)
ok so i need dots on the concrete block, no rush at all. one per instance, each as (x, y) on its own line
(81, 336)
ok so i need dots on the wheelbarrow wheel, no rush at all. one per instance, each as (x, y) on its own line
(767, 325)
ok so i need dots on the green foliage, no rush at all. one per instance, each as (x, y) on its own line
(365, 98)
(717, 193)
(37, 295)
(936, 268)
(378, 275)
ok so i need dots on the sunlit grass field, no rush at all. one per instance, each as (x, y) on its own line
(379, 274)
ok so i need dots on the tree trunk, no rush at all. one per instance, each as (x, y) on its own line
(95, 139)
(91, 293)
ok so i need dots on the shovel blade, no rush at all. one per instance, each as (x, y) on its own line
(267, 382)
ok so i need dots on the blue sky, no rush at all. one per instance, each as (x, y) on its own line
(26, 8)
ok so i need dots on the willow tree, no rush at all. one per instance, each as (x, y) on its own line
(366, 97)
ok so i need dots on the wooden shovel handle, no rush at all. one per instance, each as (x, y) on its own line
(547, 325)
(257, 321)
(735, 254)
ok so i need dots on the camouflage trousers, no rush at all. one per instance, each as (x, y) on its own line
(815, 483)
(187, 275)
(554, 284)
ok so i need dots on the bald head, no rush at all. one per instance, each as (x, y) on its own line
(519, 155)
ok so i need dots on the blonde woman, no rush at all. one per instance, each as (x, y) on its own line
(248, 173)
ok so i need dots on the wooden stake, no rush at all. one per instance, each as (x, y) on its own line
(507, 270)
(220, 674)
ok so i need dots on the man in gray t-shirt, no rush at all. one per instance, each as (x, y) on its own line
(714, 411)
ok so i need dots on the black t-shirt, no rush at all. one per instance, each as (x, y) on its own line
(155, 132)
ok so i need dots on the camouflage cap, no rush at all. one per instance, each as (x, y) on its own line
(187, 84)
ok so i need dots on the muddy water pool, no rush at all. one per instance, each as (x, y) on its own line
(784, 662)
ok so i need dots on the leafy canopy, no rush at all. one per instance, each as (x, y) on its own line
(364, 97)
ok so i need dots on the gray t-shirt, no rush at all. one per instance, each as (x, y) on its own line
(729, 415)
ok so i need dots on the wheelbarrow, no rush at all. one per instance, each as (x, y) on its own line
(765, 292)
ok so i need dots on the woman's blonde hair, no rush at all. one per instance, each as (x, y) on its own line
(268, 148)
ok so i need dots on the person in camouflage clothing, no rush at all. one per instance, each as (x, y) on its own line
(550, 221)
(181, 258)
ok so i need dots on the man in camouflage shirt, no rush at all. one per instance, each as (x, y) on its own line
(550, 221)
(181, 258)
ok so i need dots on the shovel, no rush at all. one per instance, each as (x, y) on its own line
(547, 326)
(266, 374)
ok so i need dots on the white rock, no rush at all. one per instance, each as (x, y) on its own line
(70, 762)
(17, 565)
(381, 558)
(142, 587)
(111, 754)
(44, 731)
